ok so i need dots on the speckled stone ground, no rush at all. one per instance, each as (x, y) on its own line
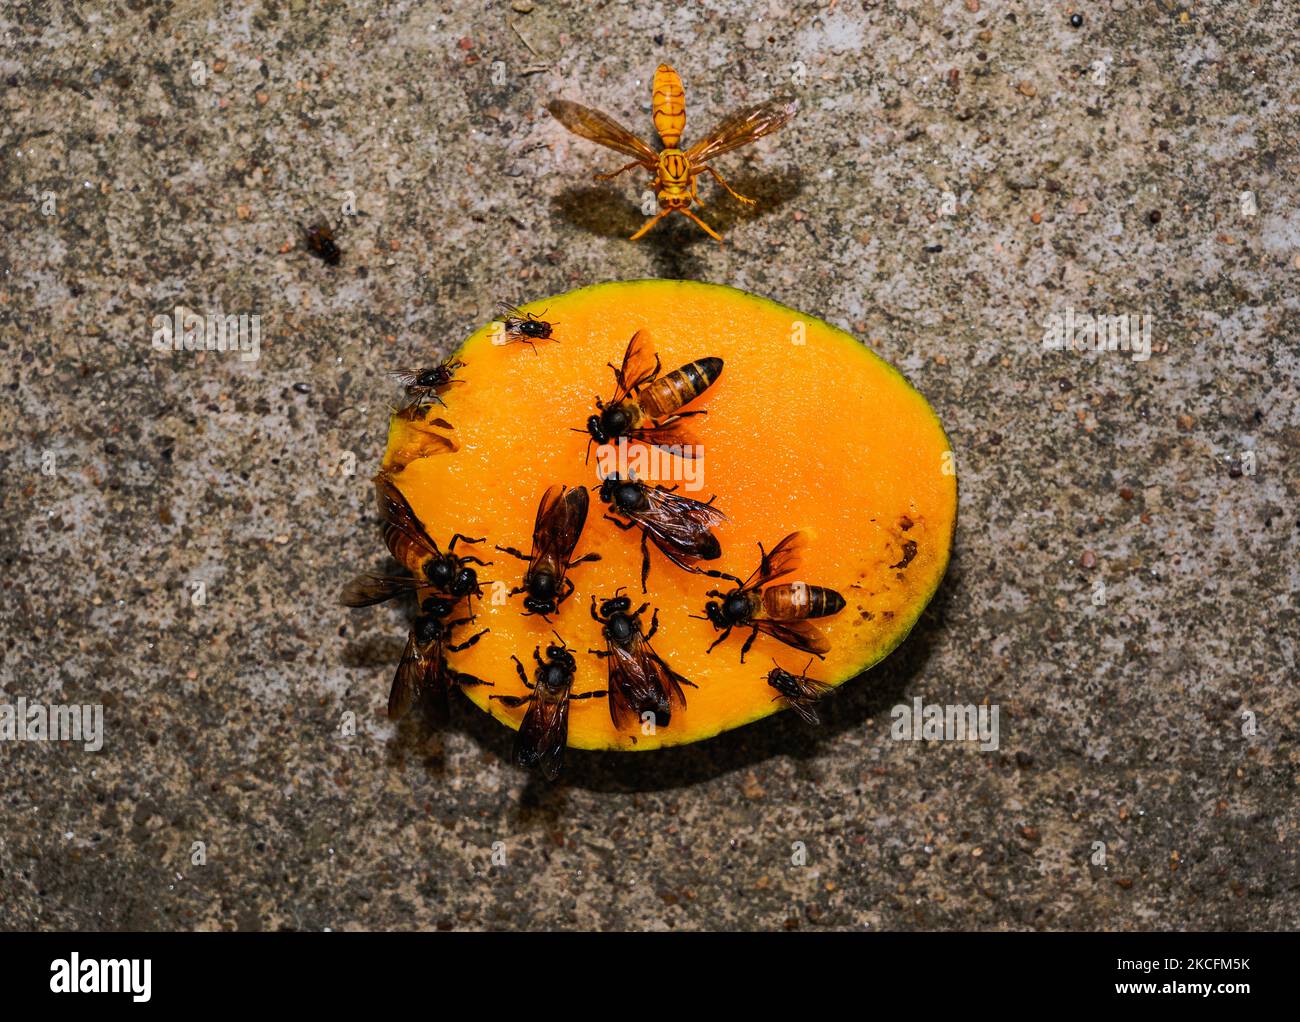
(959, 173)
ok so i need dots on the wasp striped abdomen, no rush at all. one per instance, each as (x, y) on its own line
(665, 395)
(794, 601)
(669, 105)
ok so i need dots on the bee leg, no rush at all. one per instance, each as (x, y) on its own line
(474, 560)
(654, 623)
(602, 653)
(591, 695)
(513, 700)
(519, 669)
(621, 170)
(621, 524)
(584, 559)
(594, 616)
(707, 229)
(459, 537)
(720, 638)
(655, 219)
(714, 573)
(468, 679)
(470, 641)
(748, 643)
(515, 553)
(734, 194)
(645, 559)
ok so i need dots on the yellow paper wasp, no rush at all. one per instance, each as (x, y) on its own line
(675, 170)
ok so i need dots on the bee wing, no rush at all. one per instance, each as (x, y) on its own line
(367, 590)
(683, 524)
(743, 127)
(409, 680)
(601, 129)
(560, 518)
(638, 365)
(543, 733)
(400, 520)
(781, 560)
(639, 681)
(802, 635)
(674, 432)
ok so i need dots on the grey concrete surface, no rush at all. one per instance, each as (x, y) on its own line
(959, 173)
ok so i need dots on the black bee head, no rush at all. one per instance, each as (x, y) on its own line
(561, 657)
(596, 430)
(539, 605)
(466, 582)
(437, 606)
(427, 629)
(713, 610)
(615, 605)
(608, 487)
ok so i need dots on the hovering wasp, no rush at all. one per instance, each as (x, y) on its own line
(639, 680)
(523, 327)
(675, 170)
(680, 527)
(544, 731)
(321, 244)
(447, 572)
(424, 386)
(560, 518)
(646, 405)
(780, 611)
(798, 690)
(423, 671)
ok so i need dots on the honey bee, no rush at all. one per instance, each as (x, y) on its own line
(675, 170)
(423, 672)
(524, 327)
(561, 516)
(639, 680)
(646, 406)
(799, 691)
(544, 731)
(780, 610)
(680, 527)
(445, 572)
(321, 244)
(423, 386)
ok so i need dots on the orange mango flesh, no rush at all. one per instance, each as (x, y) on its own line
(806, 429)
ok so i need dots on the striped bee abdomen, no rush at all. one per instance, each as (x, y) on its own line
(792, 601)
(668, 393)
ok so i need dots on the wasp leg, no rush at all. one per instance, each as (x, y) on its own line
(656, 218)
(695, 190)
(707, 229)
(515, 553)
(734, 194)
(621, 170)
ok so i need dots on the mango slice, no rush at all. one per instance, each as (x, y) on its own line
(806, 429)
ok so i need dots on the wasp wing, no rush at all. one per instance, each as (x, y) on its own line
(543, 733)
(601, 129)
(743, 127)
(639, 365)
